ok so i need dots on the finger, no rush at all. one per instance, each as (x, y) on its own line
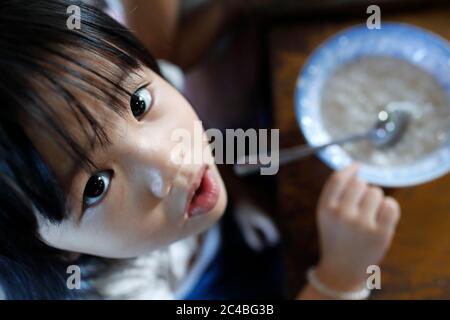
(389, 214)
(336, 185)
(370, 204)
(353, 194)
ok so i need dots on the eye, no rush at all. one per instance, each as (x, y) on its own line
(96, 188)
(141, 102)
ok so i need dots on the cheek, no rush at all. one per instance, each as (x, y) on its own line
(131, 225)
(65, 236)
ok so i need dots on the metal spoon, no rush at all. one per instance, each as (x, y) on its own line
(388, 129)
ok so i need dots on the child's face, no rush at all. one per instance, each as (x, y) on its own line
(139, 199)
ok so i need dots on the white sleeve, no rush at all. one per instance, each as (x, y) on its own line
(2, 294)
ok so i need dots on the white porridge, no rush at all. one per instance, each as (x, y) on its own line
(356, 92)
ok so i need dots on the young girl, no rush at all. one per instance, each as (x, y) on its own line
(88, 178)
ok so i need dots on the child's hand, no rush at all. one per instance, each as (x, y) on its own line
(356, 225)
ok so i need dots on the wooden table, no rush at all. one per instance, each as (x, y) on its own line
(418, 264)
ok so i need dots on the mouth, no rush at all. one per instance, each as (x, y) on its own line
(204, 193)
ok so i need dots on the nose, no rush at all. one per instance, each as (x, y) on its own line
(150, 160)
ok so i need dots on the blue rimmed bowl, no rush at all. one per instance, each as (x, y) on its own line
(414, 45)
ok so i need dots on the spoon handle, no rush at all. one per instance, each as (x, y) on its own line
(250, 164)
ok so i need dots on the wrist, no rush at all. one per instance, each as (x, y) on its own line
(335, 280)
(323, 290)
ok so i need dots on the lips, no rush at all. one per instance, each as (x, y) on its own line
(204, 193)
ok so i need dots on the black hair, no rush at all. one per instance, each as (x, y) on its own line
(38, 50)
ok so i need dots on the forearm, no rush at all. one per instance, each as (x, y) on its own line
(183, 41)
(197, 33)
(155, 23)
